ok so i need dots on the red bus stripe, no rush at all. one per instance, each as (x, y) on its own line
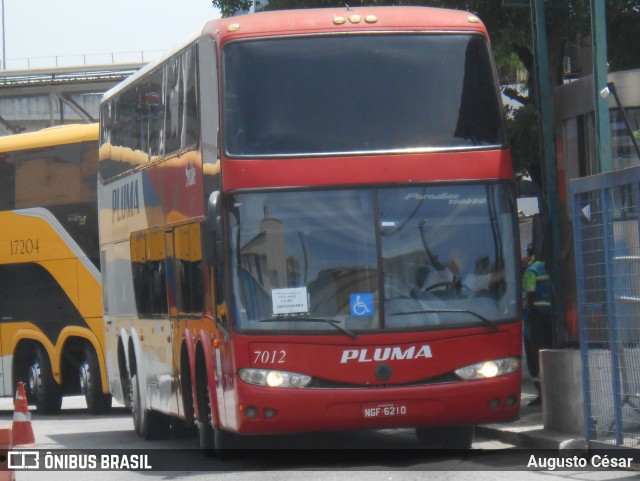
(359, 170)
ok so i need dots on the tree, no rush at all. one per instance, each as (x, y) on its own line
(509, 26)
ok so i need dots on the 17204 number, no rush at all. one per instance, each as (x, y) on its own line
(20, 247)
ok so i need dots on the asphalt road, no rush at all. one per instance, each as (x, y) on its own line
(389, 455)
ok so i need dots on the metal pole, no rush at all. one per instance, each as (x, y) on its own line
(601, 106)
(550, 186)
(4, 46)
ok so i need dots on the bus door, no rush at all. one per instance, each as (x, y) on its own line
(223, 354)
(218, 324)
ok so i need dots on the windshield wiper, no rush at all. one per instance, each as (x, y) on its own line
(335, 324)
(486, 321)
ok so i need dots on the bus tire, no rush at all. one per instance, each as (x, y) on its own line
(206, 439)
(44, 391)
(139, 415)
(448, 437)
(148, 424)
(188, 401)
(91, 384)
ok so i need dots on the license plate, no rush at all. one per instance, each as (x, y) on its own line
(385, 410)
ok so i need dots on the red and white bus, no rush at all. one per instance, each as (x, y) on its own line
(308, 223)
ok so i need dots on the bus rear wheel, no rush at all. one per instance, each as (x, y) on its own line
(91, 384)
(44, 391)
(137, 412)
(148, 424)
(449, 437)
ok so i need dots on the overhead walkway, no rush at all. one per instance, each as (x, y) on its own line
(33, 99)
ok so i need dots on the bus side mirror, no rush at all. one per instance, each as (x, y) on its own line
(212, 235)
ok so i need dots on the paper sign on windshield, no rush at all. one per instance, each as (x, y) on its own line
(292, 300)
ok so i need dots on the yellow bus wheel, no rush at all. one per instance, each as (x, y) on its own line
(44, 391)
(91, 384)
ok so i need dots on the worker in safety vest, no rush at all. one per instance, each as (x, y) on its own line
(536, 302)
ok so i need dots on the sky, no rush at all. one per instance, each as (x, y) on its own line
(75, 30)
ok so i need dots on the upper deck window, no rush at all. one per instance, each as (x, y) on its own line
(154, 117)
(359, 94)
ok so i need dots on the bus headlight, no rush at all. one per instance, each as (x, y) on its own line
(265, 377)
(489, 369)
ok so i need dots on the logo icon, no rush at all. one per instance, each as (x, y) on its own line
(361, 305)
(24, 460)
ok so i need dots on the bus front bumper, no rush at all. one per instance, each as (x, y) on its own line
(264, 410)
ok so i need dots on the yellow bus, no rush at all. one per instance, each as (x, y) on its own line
(51, 329)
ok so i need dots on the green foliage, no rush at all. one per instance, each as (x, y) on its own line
(229, 8)
(623, 30)
(522, 125)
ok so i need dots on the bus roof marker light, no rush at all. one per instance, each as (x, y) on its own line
(339, 20)
(355, 18)
(371, 19)
(233, 27)
(473, 19)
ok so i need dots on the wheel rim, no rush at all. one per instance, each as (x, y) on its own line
(130, 393)
(35, 379)
(208, 404)
(85, 379)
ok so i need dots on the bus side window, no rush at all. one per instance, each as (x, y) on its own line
(191, 107)
(181, 102)
(156, 255)
(138, 269)
(148, 268)
(188, 258)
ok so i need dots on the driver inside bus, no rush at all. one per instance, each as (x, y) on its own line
(484, 276)
(457, 273)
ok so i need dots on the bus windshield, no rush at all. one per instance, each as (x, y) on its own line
(418, 257)
(360, 93)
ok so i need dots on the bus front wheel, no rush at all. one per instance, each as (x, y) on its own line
(91, 384)
(214, 441)
(44, 391)
(206, 433)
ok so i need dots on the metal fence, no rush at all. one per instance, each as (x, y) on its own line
(82, 60)
(606, 226)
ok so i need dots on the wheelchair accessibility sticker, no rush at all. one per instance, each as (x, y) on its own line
(361, 305)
